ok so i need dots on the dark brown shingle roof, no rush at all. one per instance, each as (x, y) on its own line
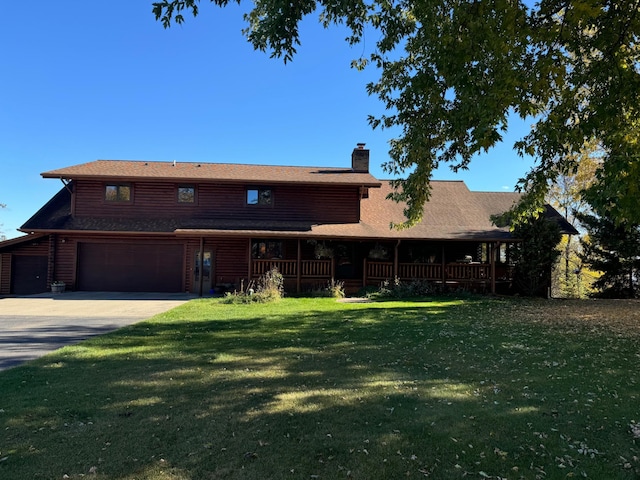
(212, 172)
(452, 213)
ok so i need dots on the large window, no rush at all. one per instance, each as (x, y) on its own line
(259, 196)
(117, 193)
(186, 194)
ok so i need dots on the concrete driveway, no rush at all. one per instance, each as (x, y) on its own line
(34, 325)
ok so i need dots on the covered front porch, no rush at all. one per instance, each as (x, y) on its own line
(306, 264)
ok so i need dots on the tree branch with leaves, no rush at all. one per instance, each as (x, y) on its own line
(452, 72)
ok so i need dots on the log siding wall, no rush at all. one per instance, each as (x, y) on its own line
(5, 273)
(316, 204)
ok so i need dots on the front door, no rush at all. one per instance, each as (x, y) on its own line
(207, 265)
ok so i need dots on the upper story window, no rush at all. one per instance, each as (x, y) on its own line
(259, 196)
(117, 192)
(186, 194)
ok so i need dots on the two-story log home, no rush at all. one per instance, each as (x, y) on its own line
(210, 227)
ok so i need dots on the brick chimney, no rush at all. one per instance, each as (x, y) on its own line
(360, 159)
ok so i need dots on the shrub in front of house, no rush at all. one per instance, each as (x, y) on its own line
(332, 289)
(268, 288)
(396, 288)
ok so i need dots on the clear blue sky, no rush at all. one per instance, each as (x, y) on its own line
(85, 80)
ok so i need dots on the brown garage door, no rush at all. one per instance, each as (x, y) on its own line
(117, 267)
(28, 274)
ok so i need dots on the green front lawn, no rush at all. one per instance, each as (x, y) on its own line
(315, 389)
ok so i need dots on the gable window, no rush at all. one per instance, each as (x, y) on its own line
(186, 194)
(259, 196)
(117, 193)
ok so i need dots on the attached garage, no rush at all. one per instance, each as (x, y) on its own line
(25, 265)
(29, 274)
(127, 267)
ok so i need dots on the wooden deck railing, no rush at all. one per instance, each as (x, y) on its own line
(428, 271)
(375, 271)
(316, 268)
(378, 270)
(289, 268)
(468, 271)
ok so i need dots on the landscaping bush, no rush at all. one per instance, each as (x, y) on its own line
(396, 288)
(333, 289)
(269, 288)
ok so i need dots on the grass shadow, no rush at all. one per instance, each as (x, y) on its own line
(316, 389)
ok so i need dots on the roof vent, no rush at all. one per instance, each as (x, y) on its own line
(174, 163)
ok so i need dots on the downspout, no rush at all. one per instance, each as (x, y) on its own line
(51, 267)
(201, 267)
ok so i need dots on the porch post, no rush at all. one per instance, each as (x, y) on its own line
(492, 257)
(395, 260)
(443, 266)
(298, 268)
(364, 272)
(200, 267)
(249, 263)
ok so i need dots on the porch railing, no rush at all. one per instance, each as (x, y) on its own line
(428, 271)
(376, 271)
(289, 268)
(468, 271)
(316, 268)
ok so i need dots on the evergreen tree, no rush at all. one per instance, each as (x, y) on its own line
(535, 255)
(614, 249)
